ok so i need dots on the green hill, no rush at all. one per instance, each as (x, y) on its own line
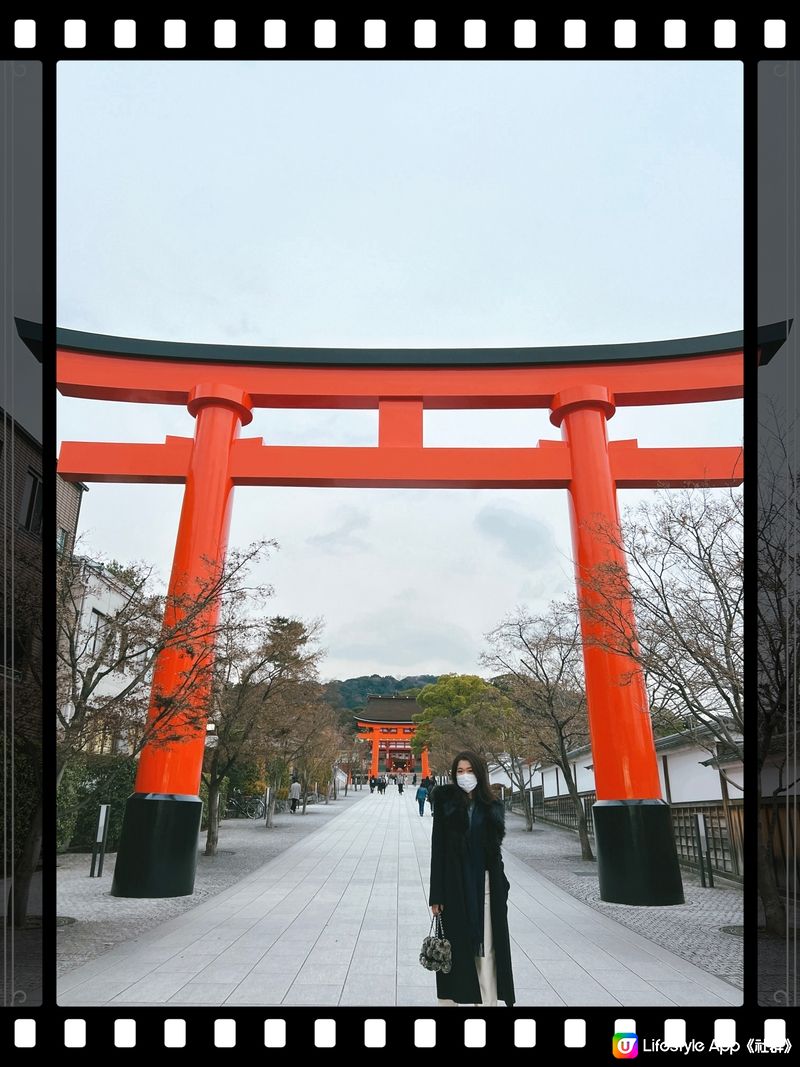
(351, 694)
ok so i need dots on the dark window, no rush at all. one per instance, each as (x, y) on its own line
(30, 512)
(61, 539)
(99, 630)
(14, 651)
(122, 655)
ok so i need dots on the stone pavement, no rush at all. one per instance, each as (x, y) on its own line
(338, 917)
(104, 921)
(696, 931)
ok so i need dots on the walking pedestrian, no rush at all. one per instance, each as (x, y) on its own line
(372, 784)
(421, 797)
(414, 779)
(400, 786)
(295, 792)
(469, 888)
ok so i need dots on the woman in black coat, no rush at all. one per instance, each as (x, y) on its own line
(469, 886)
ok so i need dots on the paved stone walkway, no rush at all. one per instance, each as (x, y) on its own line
(338, 917)
(104, 922)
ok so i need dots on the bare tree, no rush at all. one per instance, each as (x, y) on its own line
(494, 726)
(104, 672)
(539, 662)
(257, 661)
(302, 736)
(684, 577)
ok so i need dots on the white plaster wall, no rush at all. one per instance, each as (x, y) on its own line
(549, 782)
(583, 777)
(689, 781)
(103, 596)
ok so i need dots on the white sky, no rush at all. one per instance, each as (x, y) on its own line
(395, 205)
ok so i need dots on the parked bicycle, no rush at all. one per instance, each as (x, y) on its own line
(242, 807)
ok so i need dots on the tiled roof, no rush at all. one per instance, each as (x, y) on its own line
(388, 709)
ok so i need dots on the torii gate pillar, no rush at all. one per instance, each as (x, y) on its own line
(637, 861)
(157, 854)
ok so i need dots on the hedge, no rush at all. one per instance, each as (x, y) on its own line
(88, 782)
(20, 774)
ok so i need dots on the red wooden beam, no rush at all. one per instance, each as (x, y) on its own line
(93, 461)
(668, 381)
(674, 468)
(544, 467)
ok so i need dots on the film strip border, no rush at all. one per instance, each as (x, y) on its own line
(700, 1033)
(348, 37)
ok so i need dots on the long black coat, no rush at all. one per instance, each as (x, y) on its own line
(448, 846)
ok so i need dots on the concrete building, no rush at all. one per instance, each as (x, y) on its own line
(688, 772)
(102, 598)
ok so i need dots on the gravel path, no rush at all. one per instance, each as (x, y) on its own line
(691, 930)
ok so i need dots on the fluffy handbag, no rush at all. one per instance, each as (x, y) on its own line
(436, 953)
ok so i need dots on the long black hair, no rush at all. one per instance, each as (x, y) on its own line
(483, 789)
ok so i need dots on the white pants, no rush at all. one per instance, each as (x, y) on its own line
(485, 965)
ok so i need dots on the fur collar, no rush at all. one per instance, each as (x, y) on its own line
(450, 800)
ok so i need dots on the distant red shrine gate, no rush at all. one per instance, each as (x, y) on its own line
(581, 386)
(387, 726)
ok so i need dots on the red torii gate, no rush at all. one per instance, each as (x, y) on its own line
(581, 385)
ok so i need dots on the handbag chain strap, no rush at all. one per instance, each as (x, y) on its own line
(436, 920)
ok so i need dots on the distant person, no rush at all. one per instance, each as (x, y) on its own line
(295, 792)
(414, 779)
(400, 786)
(421, 797)
(372, 784)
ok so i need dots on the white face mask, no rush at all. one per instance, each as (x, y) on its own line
(467, 782)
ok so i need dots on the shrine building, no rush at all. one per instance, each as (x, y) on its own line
(387, 724)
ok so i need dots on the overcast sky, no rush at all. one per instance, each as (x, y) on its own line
(395, 204)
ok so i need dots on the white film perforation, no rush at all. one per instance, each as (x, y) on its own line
(475, 33)
(174, 33)
(625, 33)
(575, 1033)
(75, 33)
(375, 33)
(675, 33)
(325, 33)
(375, 1033)
(424, 33)
(224, 33)
(325, 1033)
(124, 33)
(524, 33)
(25, 33)
(575, 33)
(275, 33)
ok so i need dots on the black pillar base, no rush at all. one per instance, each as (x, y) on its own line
(157, 854)
(637, 862)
